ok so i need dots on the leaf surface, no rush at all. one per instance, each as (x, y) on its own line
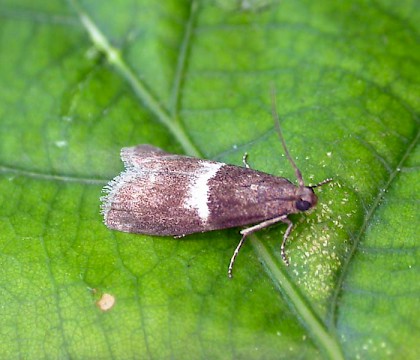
(81, 80)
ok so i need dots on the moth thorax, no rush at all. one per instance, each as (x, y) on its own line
(306, 198)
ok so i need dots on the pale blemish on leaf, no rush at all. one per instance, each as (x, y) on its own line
(318, 257)
(106, 302)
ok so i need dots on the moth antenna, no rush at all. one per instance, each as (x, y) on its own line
(277, 125)
(326, 181)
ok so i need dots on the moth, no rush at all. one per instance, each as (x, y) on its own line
(166, 194)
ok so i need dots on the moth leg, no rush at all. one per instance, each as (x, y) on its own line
(235, 254)
(244, 160)
(179, 236)
(283, 243)
(252, 229)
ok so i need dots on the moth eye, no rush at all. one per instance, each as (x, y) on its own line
(303, 205)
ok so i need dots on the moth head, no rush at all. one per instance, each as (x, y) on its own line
(306, 198)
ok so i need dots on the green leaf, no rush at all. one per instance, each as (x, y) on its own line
(80, 80)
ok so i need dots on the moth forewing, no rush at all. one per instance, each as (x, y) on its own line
(165, 194)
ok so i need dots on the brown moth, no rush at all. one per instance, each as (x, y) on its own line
(174, 195)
